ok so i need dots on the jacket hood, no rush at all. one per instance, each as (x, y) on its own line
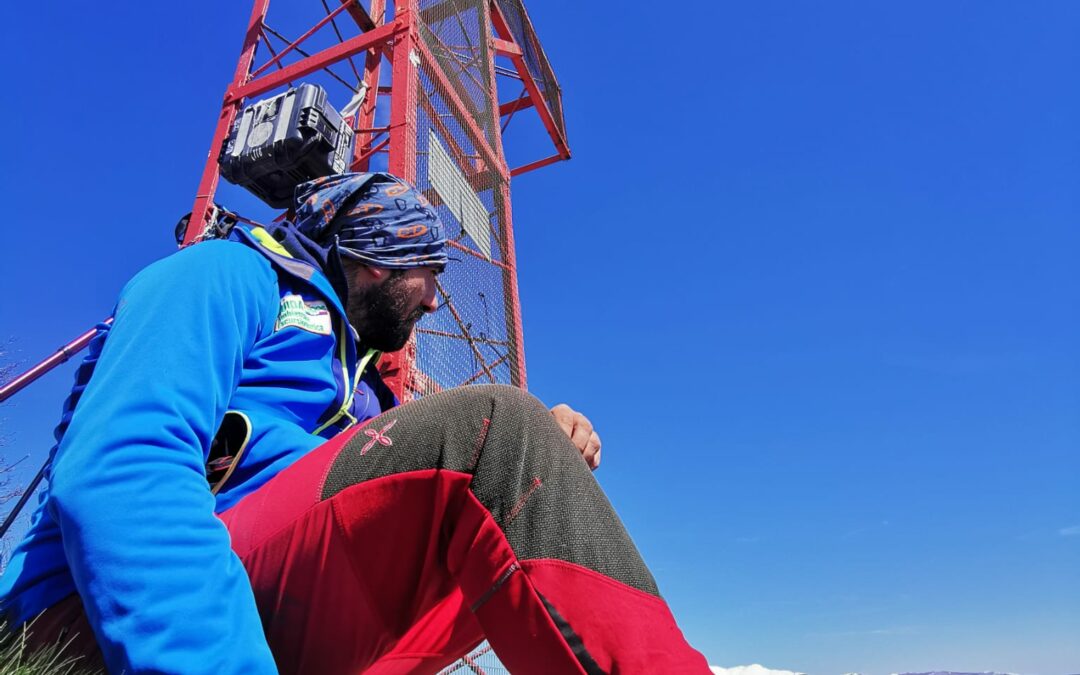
(324, 258)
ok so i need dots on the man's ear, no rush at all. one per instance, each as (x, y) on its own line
(359, 277)
(366, 274)
(378, 273)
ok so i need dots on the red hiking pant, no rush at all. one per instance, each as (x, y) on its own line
(398, 546)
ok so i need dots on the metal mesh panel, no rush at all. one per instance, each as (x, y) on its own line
(470, 339)
(536, 61)
(456, 32)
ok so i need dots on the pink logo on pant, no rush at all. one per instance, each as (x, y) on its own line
(379, 437)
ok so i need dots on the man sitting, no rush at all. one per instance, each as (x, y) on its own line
(338, 532)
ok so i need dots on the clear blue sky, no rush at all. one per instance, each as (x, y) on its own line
(812, 271)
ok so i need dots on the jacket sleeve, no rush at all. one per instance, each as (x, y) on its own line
(162, 588)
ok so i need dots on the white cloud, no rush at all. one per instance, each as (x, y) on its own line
(754, 669)
(1073, 531)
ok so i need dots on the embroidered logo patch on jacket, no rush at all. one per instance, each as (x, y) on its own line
(309, 315)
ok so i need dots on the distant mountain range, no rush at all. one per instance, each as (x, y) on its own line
(757, 669)
(754, 669)
(951, 672)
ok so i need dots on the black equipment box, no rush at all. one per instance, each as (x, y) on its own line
(281, 142)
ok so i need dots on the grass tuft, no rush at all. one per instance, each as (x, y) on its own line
(16, 659)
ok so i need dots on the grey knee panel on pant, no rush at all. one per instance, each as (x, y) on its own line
(526, 473)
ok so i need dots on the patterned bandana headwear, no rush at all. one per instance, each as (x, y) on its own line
(385, 221)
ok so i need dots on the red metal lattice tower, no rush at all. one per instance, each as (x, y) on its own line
(431, 67)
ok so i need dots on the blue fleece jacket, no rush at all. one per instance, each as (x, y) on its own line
(127, 518)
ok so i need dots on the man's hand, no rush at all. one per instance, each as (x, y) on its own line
(580, 430)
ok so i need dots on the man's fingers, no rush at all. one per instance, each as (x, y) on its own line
(564, 416)
(581, 433)
(591, 453)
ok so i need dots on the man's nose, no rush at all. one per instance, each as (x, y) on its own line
(430, 302)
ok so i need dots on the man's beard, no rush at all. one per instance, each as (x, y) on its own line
(380, 314)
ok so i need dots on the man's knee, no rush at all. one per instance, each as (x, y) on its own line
(505, 395)
(506, 398)
(502, 406)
